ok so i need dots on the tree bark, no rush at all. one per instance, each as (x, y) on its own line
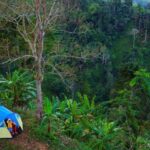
(39, 91)
(145, 37)
(39, 52)
(134, 37)
(39, 73)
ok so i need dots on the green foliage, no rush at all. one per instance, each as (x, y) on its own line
(106, 132)
(112, 111)
(141, 89)
(143, 143)
(94, 8)
(117, 124)
(47, 107)
(77, 119)
(142, 77)
(17, 88)
(131, 105)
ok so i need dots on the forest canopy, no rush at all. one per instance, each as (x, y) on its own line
(80, 68)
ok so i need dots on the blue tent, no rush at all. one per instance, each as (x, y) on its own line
(14, 117)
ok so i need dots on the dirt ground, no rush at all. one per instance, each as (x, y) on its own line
(22, 142)
(27, 144)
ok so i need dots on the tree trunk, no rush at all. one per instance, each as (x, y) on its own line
(39, 75)
(49, 127)
(134, 37)
(38, 62)
(145, 37)
(39, 91)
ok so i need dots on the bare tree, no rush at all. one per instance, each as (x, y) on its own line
(32, 19)
(146, 26)
(134, 32)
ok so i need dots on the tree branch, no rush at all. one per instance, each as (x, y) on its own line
(16, 59)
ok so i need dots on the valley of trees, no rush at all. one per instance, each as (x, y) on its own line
(78, 73)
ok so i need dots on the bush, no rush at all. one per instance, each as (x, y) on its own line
(17, 88)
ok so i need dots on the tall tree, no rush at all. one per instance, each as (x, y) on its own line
(32, 20)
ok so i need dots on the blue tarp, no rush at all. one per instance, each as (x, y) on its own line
(7, 114)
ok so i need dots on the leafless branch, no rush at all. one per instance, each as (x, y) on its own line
(60, 75)
(11, 60)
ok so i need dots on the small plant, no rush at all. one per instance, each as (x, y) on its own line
(143, 142)
(17, 88)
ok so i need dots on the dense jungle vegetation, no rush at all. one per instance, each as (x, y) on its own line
(78, 72)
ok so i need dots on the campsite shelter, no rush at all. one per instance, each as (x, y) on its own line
(7, 114)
